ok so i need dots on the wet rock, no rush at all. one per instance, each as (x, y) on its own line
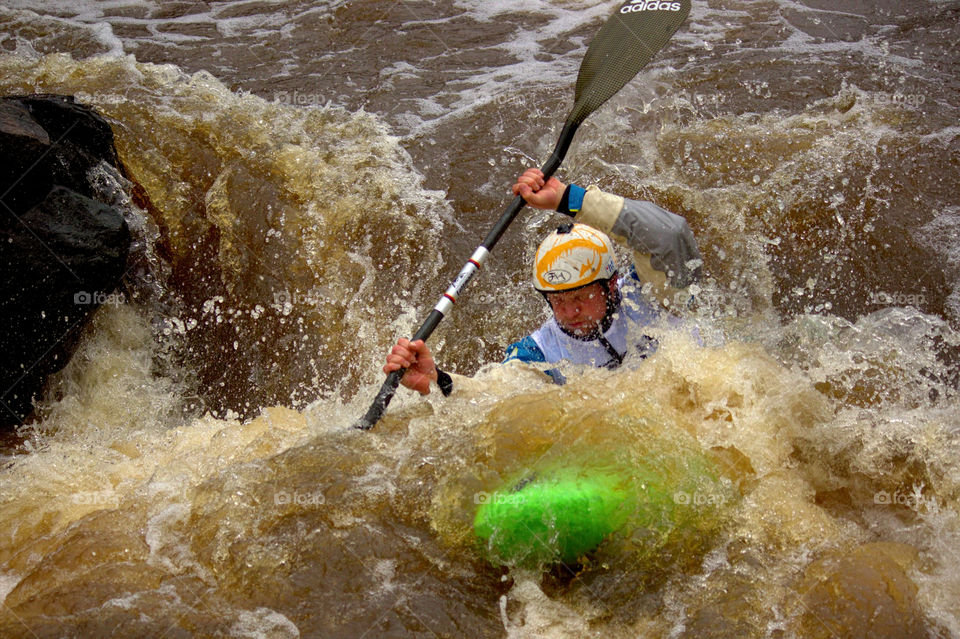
(79, 139)
(62, 253)
(24, 143)
(864, 593)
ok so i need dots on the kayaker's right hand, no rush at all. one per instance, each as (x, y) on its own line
(539, 193)
(417, 359)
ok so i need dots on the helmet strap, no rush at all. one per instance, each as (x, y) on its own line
(613, 304)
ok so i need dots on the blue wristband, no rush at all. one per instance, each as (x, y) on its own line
(572, 200)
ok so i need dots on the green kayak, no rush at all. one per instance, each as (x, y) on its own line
(561, 513)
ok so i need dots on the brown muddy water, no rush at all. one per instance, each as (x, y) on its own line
(317, 172)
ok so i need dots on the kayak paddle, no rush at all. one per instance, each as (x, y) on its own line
(623, 46)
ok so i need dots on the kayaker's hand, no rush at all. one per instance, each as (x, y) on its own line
(417, 359)
(538, 193)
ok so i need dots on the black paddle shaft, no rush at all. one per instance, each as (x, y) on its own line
(389, 387)
(623, 46)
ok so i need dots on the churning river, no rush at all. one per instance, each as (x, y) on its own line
(317, 172)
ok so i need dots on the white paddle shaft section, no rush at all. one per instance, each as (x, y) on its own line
(469, 269)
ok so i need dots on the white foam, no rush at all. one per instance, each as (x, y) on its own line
(99, 17)
(534, 68)
(8, 582)
(263, 623)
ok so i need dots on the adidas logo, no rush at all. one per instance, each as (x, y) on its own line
(649, 5)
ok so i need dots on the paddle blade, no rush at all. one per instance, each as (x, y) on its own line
(627, 42)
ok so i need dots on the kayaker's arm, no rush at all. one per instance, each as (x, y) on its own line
(422, 372)
(664, 249)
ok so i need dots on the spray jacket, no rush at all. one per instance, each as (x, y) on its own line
(664, 254)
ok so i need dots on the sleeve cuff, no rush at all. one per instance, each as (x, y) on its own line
(601, 211)
(572, 200)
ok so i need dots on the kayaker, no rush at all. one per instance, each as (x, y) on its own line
(594, 307)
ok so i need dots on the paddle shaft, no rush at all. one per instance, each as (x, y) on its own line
(473, 265)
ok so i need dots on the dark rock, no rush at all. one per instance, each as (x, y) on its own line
(47, 140)
(62, 253)
(80, 137)
(25, 176)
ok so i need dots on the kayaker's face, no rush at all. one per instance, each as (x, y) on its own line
(581, 310)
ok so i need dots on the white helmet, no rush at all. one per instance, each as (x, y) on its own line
(573, 256)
